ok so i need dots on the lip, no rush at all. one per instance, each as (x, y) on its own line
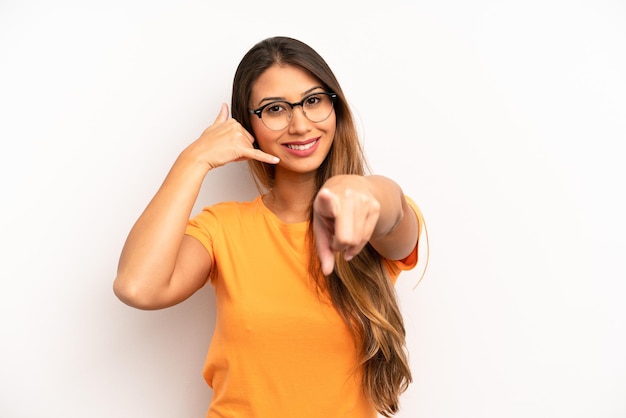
(306, 152)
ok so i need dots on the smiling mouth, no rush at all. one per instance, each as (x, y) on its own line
(301, 147)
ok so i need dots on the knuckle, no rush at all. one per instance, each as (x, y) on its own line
(344, 241)
(376, 207)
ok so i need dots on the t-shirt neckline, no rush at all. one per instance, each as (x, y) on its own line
(275, 219)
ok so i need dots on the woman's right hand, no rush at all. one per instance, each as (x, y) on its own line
(159, 265)
(226, 141)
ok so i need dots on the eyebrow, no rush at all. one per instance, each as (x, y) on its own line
(265, 99)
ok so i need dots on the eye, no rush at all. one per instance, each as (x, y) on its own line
(313, 100)
(275, 109)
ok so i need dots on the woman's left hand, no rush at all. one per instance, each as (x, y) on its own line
(345, 215)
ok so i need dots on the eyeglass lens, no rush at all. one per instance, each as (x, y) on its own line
(316, 107)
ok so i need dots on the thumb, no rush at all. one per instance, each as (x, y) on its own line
(223, 115)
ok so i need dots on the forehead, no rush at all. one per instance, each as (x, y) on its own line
(284, 81)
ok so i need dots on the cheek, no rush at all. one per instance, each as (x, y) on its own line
(261, 134)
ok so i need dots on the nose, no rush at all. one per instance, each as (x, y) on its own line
(299, 123)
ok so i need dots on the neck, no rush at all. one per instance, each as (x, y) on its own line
(291, 197)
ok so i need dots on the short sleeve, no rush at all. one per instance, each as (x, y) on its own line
(204, 227)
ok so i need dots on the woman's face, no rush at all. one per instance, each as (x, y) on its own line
(302, 145)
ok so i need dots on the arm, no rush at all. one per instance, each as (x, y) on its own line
(350, 211)
(160, 266)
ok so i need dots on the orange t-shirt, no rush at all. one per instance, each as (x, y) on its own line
(279, 349)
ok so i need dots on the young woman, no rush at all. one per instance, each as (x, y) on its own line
(307, 319)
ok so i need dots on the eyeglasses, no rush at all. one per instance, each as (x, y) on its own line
(277, 115)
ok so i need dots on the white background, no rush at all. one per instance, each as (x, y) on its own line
(505, 121)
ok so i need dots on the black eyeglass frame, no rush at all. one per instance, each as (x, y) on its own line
(259, 111)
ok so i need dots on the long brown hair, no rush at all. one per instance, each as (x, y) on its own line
(360, 289)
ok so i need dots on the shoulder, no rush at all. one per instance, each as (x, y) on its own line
(222, 219)
(231, 209)
(220, 215)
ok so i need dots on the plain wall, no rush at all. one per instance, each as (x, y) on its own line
(505, 121)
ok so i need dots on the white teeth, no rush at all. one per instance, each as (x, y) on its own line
(301, 147)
